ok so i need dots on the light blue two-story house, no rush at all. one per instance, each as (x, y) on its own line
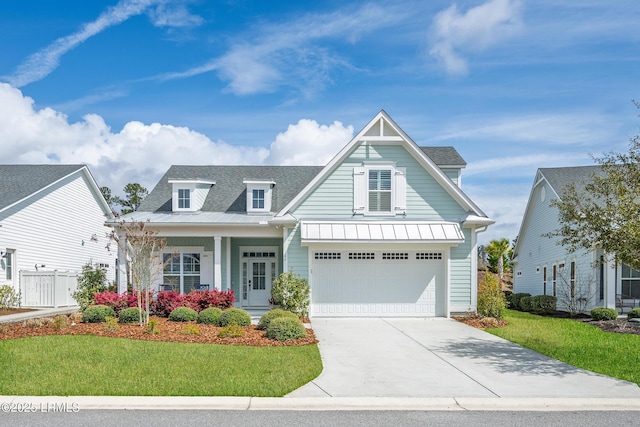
(384, 229)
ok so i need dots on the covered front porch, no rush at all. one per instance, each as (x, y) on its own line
(245, 260)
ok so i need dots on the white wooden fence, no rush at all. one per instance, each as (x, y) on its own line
(48, 288)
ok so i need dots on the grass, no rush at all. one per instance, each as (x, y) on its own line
(576, 343)
(100, 366)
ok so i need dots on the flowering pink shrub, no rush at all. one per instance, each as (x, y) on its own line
(199, 300)
(166, 302)
(116, 301)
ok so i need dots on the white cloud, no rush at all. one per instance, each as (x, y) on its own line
(454, 33)
(292, 53)
(42, 63)
(309, 143)
(143, 152)
(138, 153)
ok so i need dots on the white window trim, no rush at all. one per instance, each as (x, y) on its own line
(267, 186)
(175, 200)
(361, 189)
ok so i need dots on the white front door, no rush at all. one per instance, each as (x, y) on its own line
(259, 268)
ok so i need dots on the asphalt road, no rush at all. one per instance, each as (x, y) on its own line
(106, 418)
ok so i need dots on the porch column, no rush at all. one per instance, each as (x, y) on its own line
(217, 262)
(610, 284)
(285, 249)
(121, 271)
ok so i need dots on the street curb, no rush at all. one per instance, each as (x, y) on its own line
(78, 403)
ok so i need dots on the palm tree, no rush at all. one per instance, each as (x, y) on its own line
(498, 250)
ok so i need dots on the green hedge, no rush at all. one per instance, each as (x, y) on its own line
(286, 328)
(97, 314)
(634, 313)
(543, 304)
(236, 316)
(209, 316)
(603, 313)
(274, 314)
(515, 300)
(130, 315)
(183, 314)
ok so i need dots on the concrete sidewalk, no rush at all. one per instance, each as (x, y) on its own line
(442, 358)
(38, 313)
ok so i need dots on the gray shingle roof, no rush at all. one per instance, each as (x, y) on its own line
(20, 181)
(559, 178)
(229, 192)
(444, 156)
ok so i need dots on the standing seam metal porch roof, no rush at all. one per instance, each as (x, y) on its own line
(368, 231)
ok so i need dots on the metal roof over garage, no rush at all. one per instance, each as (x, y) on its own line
(365, 231)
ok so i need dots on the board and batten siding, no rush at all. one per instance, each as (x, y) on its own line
(62, 228)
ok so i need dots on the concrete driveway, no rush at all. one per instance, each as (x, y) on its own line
(397, 357)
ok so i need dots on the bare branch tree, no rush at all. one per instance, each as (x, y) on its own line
(574, 292)
(142, 248)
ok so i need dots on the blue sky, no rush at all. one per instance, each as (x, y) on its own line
(131, 87)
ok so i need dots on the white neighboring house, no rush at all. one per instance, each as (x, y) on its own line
(51, 222)
(541, 266)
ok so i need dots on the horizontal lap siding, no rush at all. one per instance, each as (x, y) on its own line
(63, 228)
(460, 275)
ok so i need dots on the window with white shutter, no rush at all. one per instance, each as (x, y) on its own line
(379, 190)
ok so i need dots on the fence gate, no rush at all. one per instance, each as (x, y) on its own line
(48, 288)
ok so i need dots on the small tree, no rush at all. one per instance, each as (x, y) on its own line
(291, 293)
(142, 247)
(491, 299)
(499, 253)
(574, 292)
(135, 194)
(91, 281)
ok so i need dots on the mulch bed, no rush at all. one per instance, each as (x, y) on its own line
(169, 331)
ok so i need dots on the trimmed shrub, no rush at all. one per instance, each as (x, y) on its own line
(491, 300)
(97, 314)
(190, 329)
(291, 292)
(603, 313)
(235, 316)
(633, 313)
(526, 303)
(544, 304)
(515, 300)
(111, 325)
(231, 331)
(129, 315)
(183, 314)
(274, 314)
(286, 328)
(209, 316)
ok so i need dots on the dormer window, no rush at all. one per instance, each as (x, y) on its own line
(258, 199)
(259, 195)
(188, 195)
(184, 198)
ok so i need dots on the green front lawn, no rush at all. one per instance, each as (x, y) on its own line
(99, 366)
(576, 343)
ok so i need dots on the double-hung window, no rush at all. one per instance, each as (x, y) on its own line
(258, 199)
(184, 198)
(379, 190)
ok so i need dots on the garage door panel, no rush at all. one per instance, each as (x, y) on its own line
(399, 286)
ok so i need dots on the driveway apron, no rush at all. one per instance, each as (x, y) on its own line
(437, 357)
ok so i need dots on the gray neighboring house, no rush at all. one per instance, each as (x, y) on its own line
(383, 229)
(540, 266)
(51, 221)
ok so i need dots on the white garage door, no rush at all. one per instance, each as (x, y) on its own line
(377, 283)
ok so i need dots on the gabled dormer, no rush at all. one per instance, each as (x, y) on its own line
(188, 195)
(259, 195)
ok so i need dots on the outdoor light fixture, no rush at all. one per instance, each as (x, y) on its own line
(41, 266)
